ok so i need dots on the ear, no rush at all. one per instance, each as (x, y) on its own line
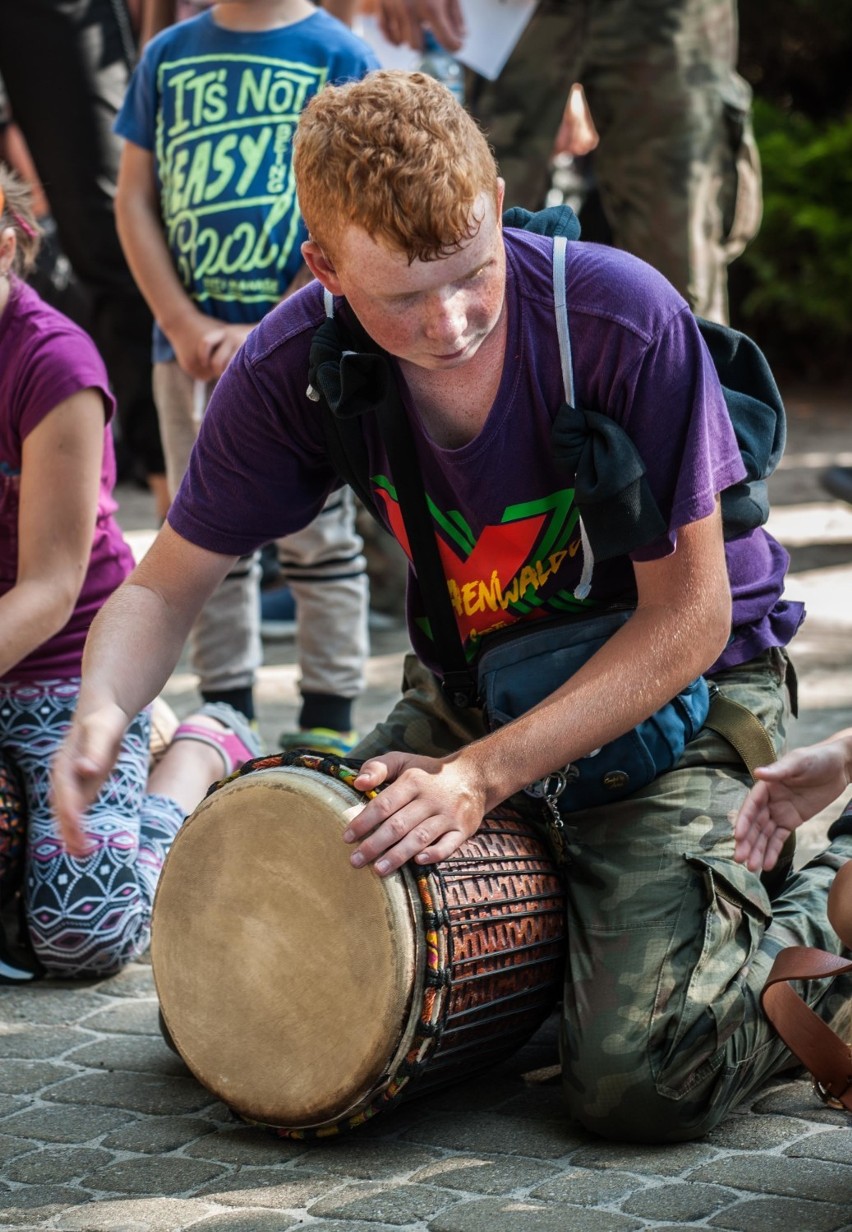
(501, 196)
(321, 267)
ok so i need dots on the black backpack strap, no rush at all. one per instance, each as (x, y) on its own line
(341, 425)
(347, 453)
(346, 384)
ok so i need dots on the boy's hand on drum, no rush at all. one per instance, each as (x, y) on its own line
(80, 768)
(429, 808)
(788, 793)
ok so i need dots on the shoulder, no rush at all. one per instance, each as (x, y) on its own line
(179, 37)
(281, 341)
(620, 289)
(49, 357)
(604, 285)
(338, 41)
(41, 326)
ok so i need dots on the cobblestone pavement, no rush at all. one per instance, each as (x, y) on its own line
(102, 1128)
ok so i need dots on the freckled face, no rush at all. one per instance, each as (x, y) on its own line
(433, 314)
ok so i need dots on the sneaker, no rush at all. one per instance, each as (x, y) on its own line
(320, 740)
(17, 968)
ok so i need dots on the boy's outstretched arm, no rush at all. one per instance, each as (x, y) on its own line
(788, 793)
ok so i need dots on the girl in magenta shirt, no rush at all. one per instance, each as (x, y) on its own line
(61, 556)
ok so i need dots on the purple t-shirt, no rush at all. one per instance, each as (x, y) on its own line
(44, 359)
(505, 520)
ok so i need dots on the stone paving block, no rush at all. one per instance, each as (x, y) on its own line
(783, 1215)
(494, 1174)
(127, 1017)
(59, 1123)
(679, 1227)
(56, 1166)
(832, 1145)
(10, 1104)
(152, 1175)
(137, 1215)
(667, 1160)
(36, 1043)
(539, 1101)
(780, 1175)
(278, 1187)
(134, 1092)
(796, 1099)
(136, 1053)
(346, 1225)
(588, 1187)
(475, 1095)
(519, 1215)
(134, 980)
(494, 1133)
(249, 1221)
(751, 1132)
(47, 1004)
(35, 1204)
(21, 1077)
(151, 1135)
(244, 1144)
(351, 1156)
(390, 1204)
(11, 1146)
(686, 1200)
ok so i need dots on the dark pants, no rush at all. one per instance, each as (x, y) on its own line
(65, 65)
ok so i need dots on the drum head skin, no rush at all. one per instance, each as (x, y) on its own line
(284, 975)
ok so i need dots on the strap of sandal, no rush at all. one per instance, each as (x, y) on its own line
(821, 1050)
(234, 751)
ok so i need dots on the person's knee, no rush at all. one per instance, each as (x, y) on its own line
(611, 1091)
(69, 951)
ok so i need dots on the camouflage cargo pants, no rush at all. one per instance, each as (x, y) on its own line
(677, 167)
(669, 940)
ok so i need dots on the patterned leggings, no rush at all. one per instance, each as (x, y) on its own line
(86, 917)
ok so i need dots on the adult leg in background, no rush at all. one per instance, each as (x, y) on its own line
(677, 168)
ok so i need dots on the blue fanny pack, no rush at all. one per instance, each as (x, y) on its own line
(519, 668)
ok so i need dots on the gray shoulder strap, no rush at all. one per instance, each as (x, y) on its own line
(560, 304)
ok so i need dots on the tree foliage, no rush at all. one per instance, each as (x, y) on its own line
(792, 288)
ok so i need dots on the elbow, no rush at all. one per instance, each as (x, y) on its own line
(63, 602)
(713, 628)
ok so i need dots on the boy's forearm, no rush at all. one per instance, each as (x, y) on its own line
(141, 234)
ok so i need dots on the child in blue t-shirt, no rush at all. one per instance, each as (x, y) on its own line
(208, 218)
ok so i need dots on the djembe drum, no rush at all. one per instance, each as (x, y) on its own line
(308, 995)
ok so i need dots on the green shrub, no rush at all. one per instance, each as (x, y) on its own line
(793, 287)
